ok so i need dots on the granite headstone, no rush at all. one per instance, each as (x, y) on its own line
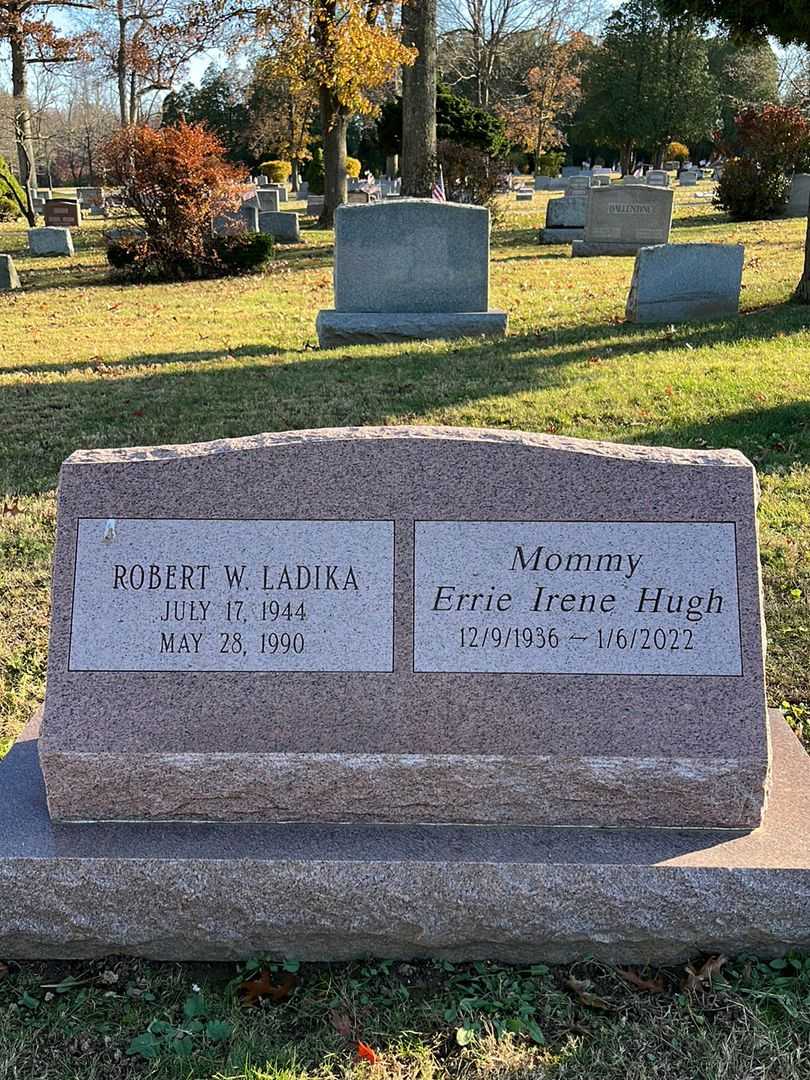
(686, 282)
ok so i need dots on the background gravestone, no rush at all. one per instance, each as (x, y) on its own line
(684, 282)
(280, 224)
(608, 672)
(620, 220)
(9, 278)
(410, 268)
(63, 213)
(50, 241)
(799, 195)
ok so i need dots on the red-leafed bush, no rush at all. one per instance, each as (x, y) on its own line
(177, 182)
(775, 136)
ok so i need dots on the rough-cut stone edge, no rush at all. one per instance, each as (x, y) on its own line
(13, 276)
(728, 457)
(187, 892)
(469, 789)
(337, 328)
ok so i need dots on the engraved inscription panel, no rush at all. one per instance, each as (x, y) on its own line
(224, 595)
(615, 598)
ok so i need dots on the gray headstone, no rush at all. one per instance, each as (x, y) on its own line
(799, 195)
(303, 190)
(245, 219)
(314, 205)
(281, 225)
(685, 283)
(568, 212)
(577, 183)
(658, 178)
(281, 189)
(391, 625)
(267, 199)
(50, 241)
(357, 198)
(570, 170)
(9, 279)
(412, 255)
(601, 180)
(620, 220)
(688, 178)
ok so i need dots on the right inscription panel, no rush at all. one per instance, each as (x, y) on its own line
(556, 597)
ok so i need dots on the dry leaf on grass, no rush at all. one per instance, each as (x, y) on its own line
(342, 1023)
(264, 986)
(365, 1052)
(699, 979)
(582, 990)
(651, 986)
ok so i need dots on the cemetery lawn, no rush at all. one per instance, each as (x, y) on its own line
(119, 1019)
(89, 363)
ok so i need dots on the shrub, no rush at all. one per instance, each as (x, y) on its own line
(676, 151)
(177, 182)
(353, 168)
(315, 175)
(748, 191)
(9, 209)
(550, 164)
(11, 192)
(470, 175)
(277, 172)
(243, 254)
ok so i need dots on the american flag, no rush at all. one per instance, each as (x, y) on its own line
(438, 188)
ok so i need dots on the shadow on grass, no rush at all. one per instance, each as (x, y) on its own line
(701, 221)
(43, 423)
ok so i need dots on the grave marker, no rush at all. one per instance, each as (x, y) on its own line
(620, 220)
(430, 276)
(685, 282)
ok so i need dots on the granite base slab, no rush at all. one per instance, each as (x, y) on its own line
(185, 891)
(588, 248)
(336, 328)
(560, 235)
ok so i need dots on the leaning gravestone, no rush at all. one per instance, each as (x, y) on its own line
(688, 178)
(799, 195)
(410, 269)
(621, 220)
(50, 241)
(444, 629)
(9, 279)
(686, 282)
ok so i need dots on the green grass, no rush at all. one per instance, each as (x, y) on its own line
(121, 1018)
(87, 363)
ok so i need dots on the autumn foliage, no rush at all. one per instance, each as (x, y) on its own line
(177, 182)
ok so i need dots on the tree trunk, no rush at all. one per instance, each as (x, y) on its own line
(22, 119)
(334, 123)
(419, 100)
(802, 294)
(121, 63)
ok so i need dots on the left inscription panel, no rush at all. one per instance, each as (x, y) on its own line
(224, 595)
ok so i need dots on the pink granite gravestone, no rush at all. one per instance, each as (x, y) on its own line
(407, 625)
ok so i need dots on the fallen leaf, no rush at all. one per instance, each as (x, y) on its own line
(366, 1053)
(698, 980)
(652, 986)
(585, 997)
(263, 986)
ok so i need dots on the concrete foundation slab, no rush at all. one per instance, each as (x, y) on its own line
(560, 235)
(185, 891)
(336, 328)
(586, 249)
